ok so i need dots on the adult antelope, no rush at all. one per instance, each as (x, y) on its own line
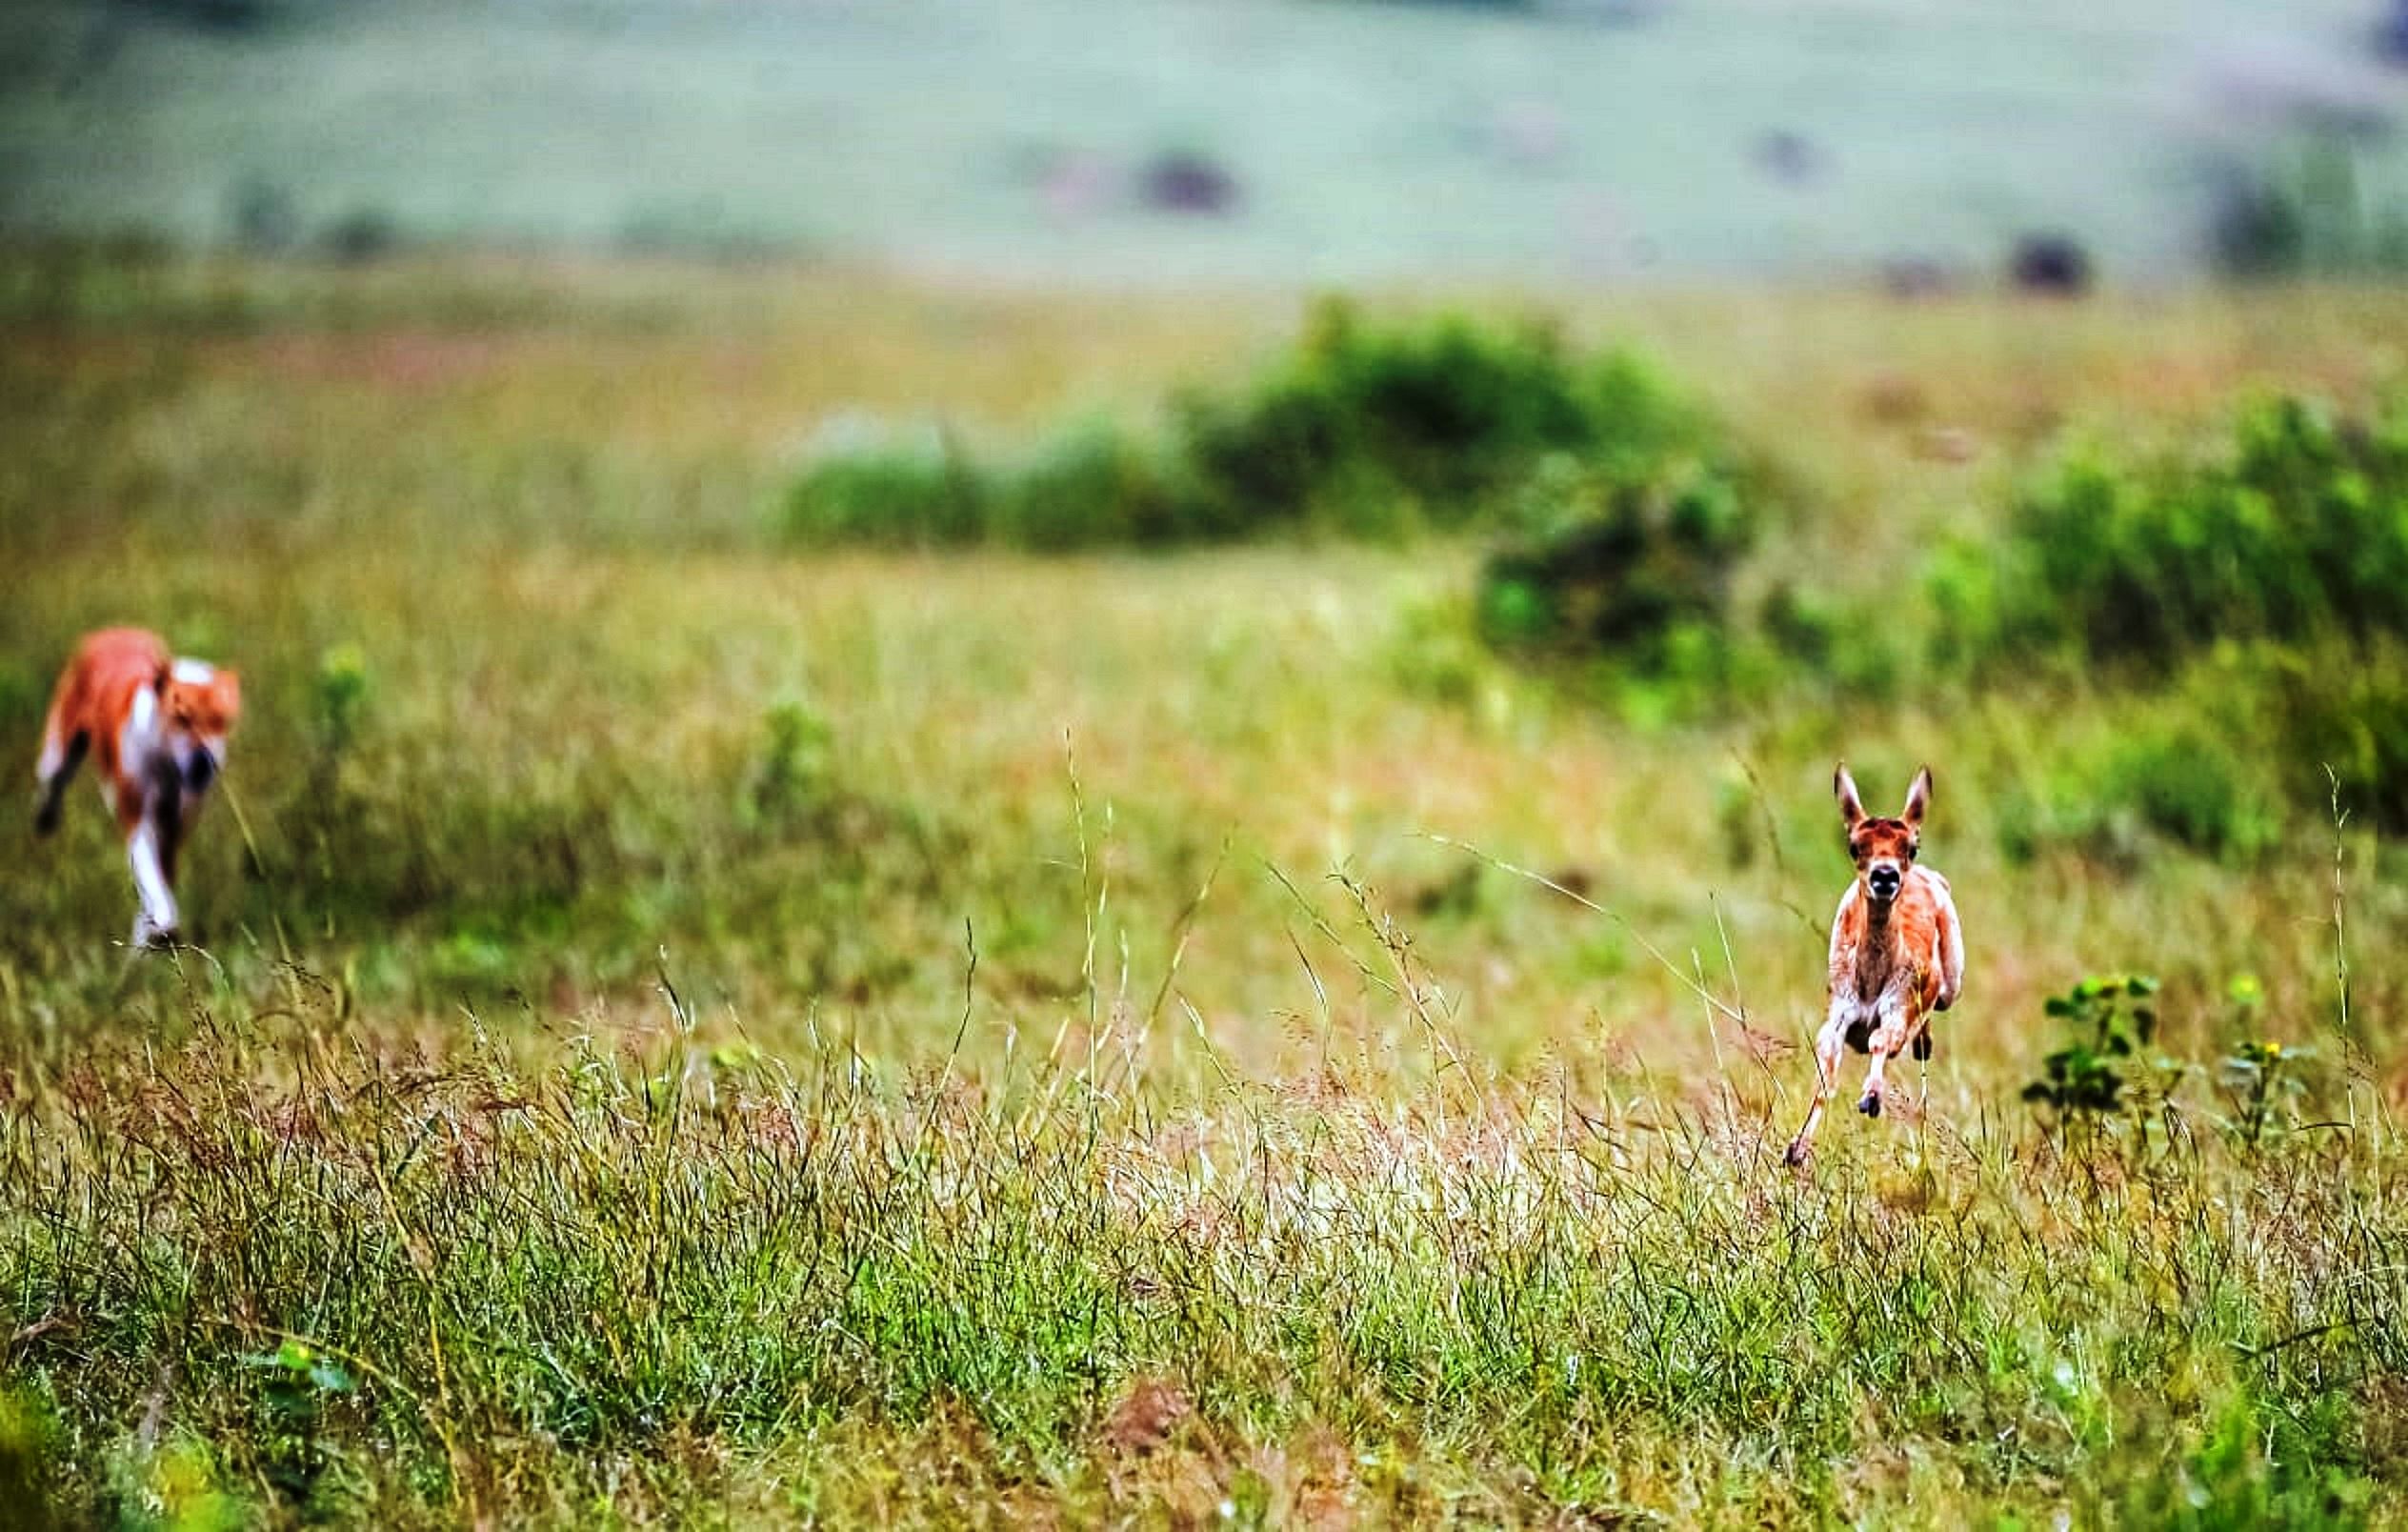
(1898, 954)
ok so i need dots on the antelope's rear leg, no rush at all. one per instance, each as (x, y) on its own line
(59, 760)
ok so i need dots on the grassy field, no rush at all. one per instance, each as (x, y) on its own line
(683, 1030)
(1572, 139)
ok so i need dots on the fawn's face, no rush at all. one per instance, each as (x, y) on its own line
(1883, 849)
(201, 706)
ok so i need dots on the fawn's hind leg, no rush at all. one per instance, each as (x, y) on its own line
(1827, 1044)
(60, 756)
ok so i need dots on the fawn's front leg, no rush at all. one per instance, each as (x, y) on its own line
(1890, 1035)
(150, 848)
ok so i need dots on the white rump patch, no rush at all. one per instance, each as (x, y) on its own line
(195, 672)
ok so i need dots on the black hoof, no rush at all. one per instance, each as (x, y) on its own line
(1871, 1106)
(46, 816)
(1797, 1155)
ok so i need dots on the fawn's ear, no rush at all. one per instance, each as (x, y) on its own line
(1850, 806)
(1918, 797)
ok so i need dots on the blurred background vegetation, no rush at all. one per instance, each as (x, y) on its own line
(1284, 140)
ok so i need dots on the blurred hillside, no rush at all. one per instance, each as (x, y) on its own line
(1150, 140)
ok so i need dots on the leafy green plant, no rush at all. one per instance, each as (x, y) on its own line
(299, 1378)
(297, 1384)
(2261, 1075)
(2108, 1019)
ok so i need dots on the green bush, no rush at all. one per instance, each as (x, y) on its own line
(895, 489)
(2344, 709)
(1361, 431)
(1093, 483)
(1435, 425)
(2192, 787)
(1852, 644)
(2299, 528)
(2187, 776)
(1608, 558)
(2234, 757)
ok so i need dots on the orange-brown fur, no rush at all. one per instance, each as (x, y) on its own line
(1897, 952)
(155, 728)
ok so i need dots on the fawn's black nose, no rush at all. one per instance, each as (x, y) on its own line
(1883, 882)
(202, 772)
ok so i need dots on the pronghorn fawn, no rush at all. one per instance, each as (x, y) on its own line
(155, 727)
(1898, 954)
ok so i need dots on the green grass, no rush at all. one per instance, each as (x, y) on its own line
(1116, 1297)
(702, 1032)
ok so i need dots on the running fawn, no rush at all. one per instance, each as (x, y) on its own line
(1898, 954)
